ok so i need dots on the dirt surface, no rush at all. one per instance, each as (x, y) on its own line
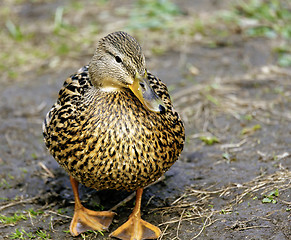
(232, 96)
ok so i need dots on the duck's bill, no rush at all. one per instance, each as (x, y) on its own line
(146, 95)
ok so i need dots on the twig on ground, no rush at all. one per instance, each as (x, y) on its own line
(47, 171)
(22, 201)
(61, 215)
(234, 145)
(203, 227)
(178, 199)
(30, 218)
(52, 226)
(285, 202)
(163, 233)
(7, 225)
(179, 223)
(148, 202)
(250, 227)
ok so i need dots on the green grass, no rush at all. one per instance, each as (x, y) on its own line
(22, 234)
(16, 217)
(18, 234)
(251, 130)
(270, 198)
(272, 16)
(12, 219)
(97, 206)
(209, 140)
(62, 210)
(4, 198)
(4, 184)
(153, 14)
(14, 30)
(43, 234)
(59, 39)
(34, 213)
(90, 234)
(264, 18)
(27, 47)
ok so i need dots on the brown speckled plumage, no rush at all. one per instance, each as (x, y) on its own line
(108, 139)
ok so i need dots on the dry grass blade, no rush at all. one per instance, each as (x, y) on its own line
(179, 224)
(199, 210)
(204, 225)
(223, 95)
(163, 233)
(61, 215)
(279, 180)
(22, 201)
(47, 172)
(234, 145)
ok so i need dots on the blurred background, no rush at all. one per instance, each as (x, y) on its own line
(227, 65)
(38, 36)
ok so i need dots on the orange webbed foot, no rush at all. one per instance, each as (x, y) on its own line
(85, 219)
(136, 229)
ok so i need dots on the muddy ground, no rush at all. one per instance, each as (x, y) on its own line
(232, 180)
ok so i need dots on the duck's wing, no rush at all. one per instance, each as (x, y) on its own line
(69, 98)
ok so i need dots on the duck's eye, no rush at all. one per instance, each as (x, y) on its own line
(118, 59)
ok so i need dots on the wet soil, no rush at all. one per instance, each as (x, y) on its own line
(214, 191)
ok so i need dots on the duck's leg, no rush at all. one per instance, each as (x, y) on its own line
(136, 228)
(85, 219)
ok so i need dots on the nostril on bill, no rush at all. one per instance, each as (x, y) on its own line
(162, 109)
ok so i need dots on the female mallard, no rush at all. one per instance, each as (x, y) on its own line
(114, 127)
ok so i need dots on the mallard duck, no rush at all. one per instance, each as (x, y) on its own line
(114, 127)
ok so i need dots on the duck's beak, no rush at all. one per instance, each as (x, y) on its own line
(146, 95)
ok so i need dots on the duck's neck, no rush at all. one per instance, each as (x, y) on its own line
(109, 89)
(109, 85)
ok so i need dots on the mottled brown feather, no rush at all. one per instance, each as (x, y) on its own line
(109, 140)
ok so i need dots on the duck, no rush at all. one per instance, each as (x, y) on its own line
(113, 126)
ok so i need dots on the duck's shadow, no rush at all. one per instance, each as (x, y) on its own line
(160, 194)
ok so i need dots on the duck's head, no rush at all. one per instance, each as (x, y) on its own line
(118, 63)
